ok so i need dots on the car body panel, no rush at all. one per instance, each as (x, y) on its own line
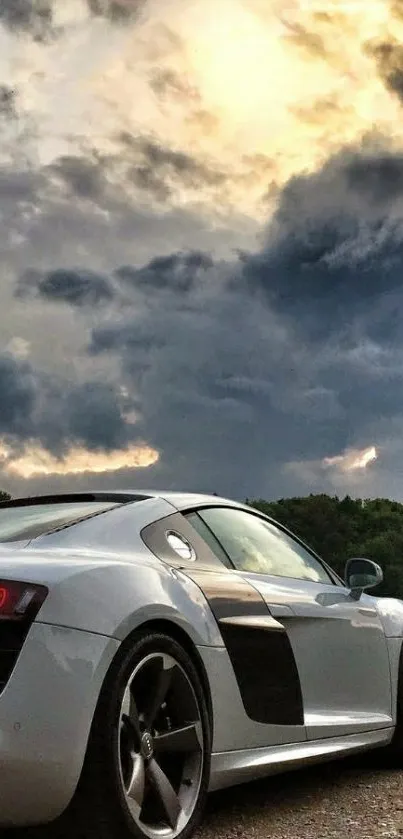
(395, 659)
(82, 571)
(114, 598)
(233, 728)
(46, 711)
(260, 653)
(341, 653)
(391, 614)
(229, 768)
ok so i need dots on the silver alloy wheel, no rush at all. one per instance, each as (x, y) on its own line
(161, 746)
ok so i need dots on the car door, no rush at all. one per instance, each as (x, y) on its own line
(338, 641)
(249, 712)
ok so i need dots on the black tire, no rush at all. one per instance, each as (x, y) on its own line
(101, 806)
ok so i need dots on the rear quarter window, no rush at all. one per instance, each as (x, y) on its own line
(28, 521)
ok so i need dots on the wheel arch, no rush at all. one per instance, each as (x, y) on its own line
(177, 633)
(95, 741)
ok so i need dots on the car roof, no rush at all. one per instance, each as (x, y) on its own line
(184, 500)
(176, 500)
(179, 500)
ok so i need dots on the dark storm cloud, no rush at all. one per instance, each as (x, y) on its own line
(377, 177)
(132, 335)
(17, 187)
(219, 389)
(176, 272)
(84, 177)
(117, 11)
(182, 164)
(33, 17)
(141, 162)
(168, 83)
(57, 413)
(237, 367)
(70, 214)
(389, 59)
(336, 245)
(8, 98)
(157, 169)
(18, 393)
(76, 287)
(289, 354)
(94, 417)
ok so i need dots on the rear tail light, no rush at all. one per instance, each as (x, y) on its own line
(19, 606)
(20, 601)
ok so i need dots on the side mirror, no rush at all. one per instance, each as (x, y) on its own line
(361, 574)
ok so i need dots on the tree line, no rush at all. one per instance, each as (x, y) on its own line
(338, 529)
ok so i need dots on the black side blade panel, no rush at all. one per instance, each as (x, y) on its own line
(258, 646)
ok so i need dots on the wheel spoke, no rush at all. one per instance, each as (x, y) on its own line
(135, 789)
(165, 792)
(185, 739)
(134, 718)
(163, 683)
(130, 714)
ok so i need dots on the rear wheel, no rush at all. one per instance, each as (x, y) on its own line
(148, 761)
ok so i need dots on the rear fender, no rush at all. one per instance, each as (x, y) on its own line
(115, 599)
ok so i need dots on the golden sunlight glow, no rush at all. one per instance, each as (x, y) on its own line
(257, 90)
(352, 459)
(37, 461)
(233, 56)
(260, 90)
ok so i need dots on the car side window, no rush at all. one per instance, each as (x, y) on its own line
(256, 545)
(206, 534)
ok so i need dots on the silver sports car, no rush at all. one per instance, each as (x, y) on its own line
(154, 647)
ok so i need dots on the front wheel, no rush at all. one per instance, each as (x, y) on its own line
(148, 761)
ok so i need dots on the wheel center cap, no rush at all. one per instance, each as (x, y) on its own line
(147, 746)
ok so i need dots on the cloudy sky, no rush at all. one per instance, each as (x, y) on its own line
(201, 243)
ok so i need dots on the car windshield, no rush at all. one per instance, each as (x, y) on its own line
(27, 521)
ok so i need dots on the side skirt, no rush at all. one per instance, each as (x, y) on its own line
(230, 768)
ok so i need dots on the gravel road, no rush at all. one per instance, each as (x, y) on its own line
(334, 800)
(340, 800)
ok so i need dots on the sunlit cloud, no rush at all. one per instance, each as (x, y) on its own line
(36, 461)
(258, 90)
(344, 471)
(18, 347)
(352, 459)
